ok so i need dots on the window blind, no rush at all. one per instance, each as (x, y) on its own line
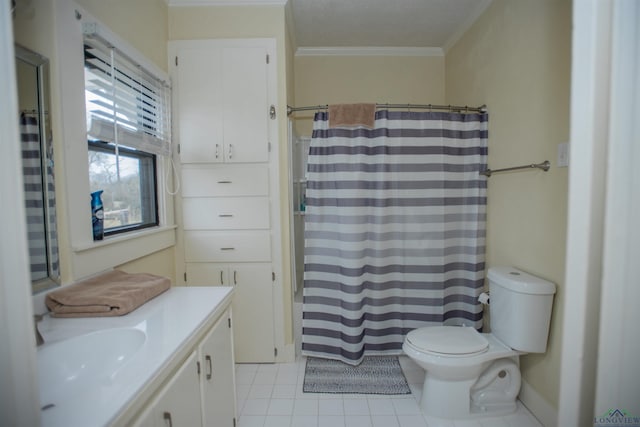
(126, 105)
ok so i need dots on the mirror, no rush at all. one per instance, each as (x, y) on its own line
(32, 73)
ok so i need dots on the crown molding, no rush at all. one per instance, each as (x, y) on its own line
(369, 51)
(178, 3)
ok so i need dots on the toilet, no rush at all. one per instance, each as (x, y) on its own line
(469, 374)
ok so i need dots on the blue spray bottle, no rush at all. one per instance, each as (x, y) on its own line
(97, 215)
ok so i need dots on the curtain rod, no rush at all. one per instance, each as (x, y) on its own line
(450, 108)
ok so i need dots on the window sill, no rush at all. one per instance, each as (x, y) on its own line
(116, 250)
(114, 240)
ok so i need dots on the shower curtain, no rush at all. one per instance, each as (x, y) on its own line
(44, 260)
(394, 231)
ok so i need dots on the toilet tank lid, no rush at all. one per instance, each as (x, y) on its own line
(519, 281)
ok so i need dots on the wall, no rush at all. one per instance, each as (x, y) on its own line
(351, 79)
(516, 59)
(210, 22)
(143, 23)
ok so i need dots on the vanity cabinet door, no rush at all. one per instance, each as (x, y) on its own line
(217, 378)
(254, 332)
(178, 401)
(253, 329)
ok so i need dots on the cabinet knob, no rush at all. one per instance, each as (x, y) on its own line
(217, 150)
(225, 215)
(230, 151)
(235, 281)
(221, 277)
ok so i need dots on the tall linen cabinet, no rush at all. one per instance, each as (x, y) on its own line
(224, 98)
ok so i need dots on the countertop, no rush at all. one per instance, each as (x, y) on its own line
(172, 322)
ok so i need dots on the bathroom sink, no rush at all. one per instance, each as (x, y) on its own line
(86, 361)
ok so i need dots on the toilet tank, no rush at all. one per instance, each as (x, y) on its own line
(520, 308)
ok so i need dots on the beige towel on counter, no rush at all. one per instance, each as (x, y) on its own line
(114, 293)
(352, 115)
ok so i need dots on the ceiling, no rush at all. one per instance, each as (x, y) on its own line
(340, 24)
(382, 23)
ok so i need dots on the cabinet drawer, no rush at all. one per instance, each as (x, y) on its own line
(225, 180)
(222, 246)
(225, 213)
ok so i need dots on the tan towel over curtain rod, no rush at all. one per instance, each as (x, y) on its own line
(114, 293)
(352, 115)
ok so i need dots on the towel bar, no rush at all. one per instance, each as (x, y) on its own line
(544, 166)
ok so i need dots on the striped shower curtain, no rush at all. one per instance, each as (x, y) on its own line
(394, 231)
(39, 200)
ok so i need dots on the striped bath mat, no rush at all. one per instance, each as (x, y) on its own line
(375, 375)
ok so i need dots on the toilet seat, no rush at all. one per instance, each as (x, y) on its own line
(448, 340)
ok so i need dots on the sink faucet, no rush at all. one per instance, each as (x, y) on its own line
(37, 318)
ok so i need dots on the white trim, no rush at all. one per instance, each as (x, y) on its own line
(180, 3)
(369, 51)
(617, 373)
(274, 193)
(105, 255)
(120, 238)
(19, 402)
(481, 6)
(590, 80)
(538, 406)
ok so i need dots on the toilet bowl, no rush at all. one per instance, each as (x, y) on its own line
(469, 374)
(464, 380)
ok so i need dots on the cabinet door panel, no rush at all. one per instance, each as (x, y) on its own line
(199, 105)
(253, 328)
(223, 246)
(245, 97)
(225, 180)
(218, 384)
(225, 213)
(178, 402)
(207, 274)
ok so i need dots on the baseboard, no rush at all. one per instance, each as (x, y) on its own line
(538, 406)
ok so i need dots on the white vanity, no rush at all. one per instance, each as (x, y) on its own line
(170, 362)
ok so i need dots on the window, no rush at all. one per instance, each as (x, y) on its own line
(127, 129)
(129, 184)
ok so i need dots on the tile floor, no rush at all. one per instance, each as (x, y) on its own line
(270, 395)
